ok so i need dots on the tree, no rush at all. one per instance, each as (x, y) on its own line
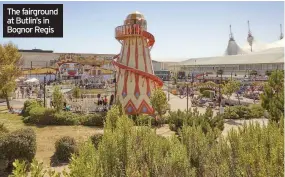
(57, 98)
(76, 92)
(10, 61)
(268, 73)
(159, 102)
(174, 78)
(253, 73)
(220, 72)
(231, 87)
(272, 98)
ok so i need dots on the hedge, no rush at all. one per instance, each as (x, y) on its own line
(46, 116)
(243, 112)
(20, 144)
(207, 121)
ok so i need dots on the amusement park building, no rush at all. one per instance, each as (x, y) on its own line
(46, 58)
(66, 65)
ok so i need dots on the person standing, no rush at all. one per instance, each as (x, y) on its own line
(111, 101)
(105, 102)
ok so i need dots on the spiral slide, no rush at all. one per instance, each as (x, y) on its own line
(150, 43)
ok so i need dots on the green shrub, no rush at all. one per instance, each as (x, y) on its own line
(145, 120)
(243, 112)
(251, 150)
(160, 121)
(36, 114)
(41, 116)
(66, 118)
(96, 139)
(237, 112)
(206, 93)
(20, 144)
(230, 113)
(64, 148)
(28, 105)
(177, 119)
(93, 119)
(257, 111)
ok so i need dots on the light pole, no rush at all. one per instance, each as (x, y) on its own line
(31, 69)
(115, 81)
(187, 92)
(168, 87)
(220, 72)
(44, 91)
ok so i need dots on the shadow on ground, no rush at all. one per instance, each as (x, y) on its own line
(232, 122)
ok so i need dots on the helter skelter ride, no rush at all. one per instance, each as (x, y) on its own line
(135, 77)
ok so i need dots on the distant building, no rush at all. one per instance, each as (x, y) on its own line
(237, 63)
(37, 58)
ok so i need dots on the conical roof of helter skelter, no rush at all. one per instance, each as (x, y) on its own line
(233, 48)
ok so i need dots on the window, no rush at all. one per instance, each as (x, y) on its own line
(242, 67)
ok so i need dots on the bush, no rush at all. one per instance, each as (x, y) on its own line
(40, 116)
(206, 93)
(64, 147)
(251, 150)
(243, 112)
(257, 111)
(65, 118)
(145, 120)
(96, 139)
(177, 119)
(28, 105)
(20, 144)
(93, 119)
(47, 116)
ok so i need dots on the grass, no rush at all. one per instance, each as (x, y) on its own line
(3, 109)
(93, 91)
(47, 135)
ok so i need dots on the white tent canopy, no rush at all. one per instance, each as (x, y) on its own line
(32, 80)
(256, 46)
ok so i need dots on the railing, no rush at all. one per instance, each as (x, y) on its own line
(133, 30)
(127, 30)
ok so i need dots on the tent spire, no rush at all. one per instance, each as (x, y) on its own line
(231, 34)
(249, 32)
(249, 36)
(281, 33)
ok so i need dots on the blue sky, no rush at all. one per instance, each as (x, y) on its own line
(181, 29)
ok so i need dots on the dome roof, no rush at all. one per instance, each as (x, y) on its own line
(135, 16)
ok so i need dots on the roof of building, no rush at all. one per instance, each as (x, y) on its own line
(40, 59)
(273, 55)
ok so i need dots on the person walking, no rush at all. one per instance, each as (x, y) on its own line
(105, 102)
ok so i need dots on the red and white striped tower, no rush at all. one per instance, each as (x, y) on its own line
(135, 76)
